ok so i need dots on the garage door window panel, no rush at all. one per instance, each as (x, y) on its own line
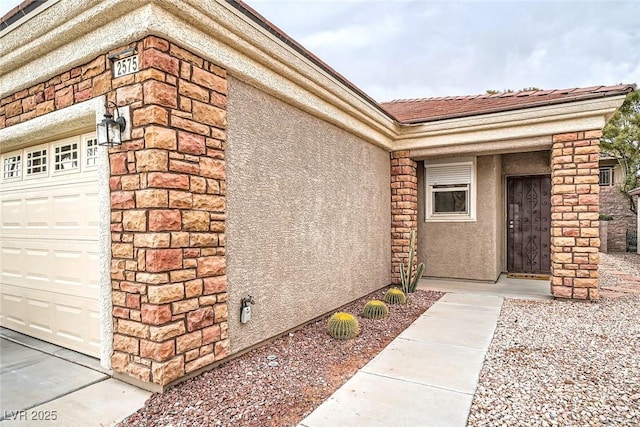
(91, 151)
(66, 157)
(37, 161)
(12, 166)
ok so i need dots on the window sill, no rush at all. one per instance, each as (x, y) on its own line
(450, 219)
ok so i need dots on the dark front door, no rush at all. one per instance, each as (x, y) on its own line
(529, 224)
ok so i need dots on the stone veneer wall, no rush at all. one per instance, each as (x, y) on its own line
(404, 209)
(574, 215)
(168, 188)
(613, 202)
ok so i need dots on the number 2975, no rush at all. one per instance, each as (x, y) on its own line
(124, 66)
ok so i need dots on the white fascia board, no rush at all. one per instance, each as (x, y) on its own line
(507, 127)
(76, 31)
(521, 145)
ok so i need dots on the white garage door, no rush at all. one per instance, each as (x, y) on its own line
(49, 243)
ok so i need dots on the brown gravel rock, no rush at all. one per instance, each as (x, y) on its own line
(311, 365)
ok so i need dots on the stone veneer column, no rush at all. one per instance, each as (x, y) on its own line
(574, 215)
(168, 185)
(404, 209)
(168, 189)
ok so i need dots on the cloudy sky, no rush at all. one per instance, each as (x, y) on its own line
(410, 49)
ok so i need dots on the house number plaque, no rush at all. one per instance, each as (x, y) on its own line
(125, 66)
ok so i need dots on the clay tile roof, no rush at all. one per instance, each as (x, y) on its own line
(433, 109)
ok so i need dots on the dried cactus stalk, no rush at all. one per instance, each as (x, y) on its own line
(409, 282)
(375, 309)
(395, 296)
(343, 326)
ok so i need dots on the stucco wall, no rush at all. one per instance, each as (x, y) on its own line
(466, 250)
(533, 163)
(308, 215)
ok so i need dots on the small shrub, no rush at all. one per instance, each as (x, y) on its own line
(343, 326)
(395, 296)
(375, 309)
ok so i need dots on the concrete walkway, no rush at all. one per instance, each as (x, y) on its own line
(428, 375)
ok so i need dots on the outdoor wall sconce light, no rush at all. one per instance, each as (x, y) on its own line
(110, 130)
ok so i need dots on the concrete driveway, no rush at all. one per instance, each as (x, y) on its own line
(41, 382)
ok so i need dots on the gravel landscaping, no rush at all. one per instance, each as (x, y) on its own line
(280, 383)
(565, 363)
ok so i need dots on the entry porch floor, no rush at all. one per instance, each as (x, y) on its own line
(503, 287)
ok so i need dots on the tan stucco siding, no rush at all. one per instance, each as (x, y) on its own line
(532, 163)
(308, 215)
(466, 250)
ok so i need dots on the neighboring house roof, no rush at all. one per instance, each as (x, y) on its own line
(635, 192)
(433, 109)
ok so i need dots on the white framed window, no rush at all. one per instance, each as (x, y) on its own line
(36, 161)
(91, 151)
(12, 165)
(65, 157)
(450, 191)
(606, 176)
